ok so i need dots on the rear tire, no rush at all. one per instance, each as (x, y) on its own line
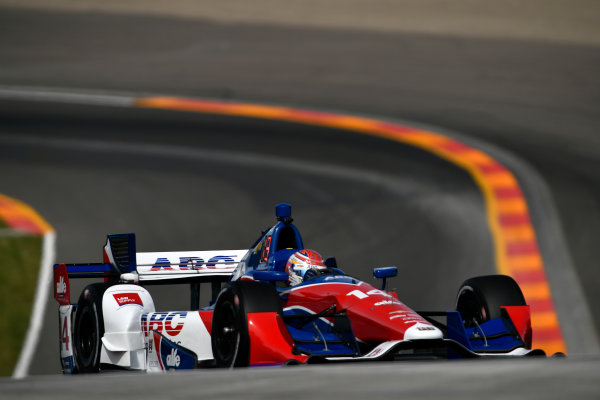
(479, 299)
(230, 338)
(89, 328)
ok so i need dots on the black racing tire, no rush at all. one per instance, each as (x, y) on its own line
(89, 328)
(230, 338)
(479, 299)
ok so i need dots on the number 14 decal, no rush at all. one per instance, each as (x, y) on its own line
(65, 334)
(363, 295)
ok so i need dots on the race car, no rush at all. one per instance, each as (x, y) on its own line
(260, 316)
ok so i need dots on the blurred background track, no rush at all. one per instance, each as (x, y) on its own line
(188, 181)
(523, 77)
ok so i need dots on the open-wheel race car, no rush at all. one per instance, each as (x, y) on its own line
(274, 304)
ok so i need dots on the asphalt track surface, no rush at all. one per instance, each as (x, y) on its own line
(523, 96)
(527, 379)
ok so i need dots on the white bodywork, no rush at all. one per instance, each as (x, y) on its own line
(123, 341)
(129, 313)
(65, 313)
(186, 264)
(184, 328)
(129, 322)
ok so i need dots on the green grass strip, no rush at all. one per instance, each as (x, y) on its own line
(19, 267)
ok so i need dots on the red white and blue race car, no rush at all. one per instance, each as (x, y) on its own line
(270, 311)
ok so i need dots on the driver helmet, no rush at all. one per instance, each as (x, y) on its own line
(302, 261)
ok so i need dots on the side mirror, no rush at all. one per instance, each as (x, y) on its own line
(384, 273)
(331, 262)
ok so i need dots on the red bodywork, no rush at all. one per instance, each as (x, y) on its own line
(521, 318)
(376, 315)
(62, 290)
(270, 342)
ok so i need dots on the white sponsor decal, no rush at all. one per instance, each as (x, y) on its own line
(386, 302)
(381, 349)
(379, 292)
(61, 286)
(374, 292)
(173, 359)
(425, 328)
(192, 262)
(408, 317)
(358, 294)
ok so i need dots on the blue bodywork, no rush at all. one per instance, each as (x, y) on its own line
(272, 250)
(497, 335)
(123, 250)
(384, 273)
(325, 334)
(68, 365)
(174, 356)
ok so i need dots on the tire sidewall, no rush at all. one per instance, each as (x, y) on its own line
(88, 339)
(229, 302)
(485, 295)
(240, 298)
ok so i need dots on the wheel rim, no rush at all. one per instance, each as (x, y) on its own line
(470, 307)
(227, 333)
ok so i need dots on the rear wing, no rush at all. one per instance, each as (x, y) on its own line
(122, 262)
(187, 264)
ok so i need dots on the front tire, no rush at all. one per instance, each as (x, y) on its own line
(89, 328)
(479, 299)
(230, 338)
